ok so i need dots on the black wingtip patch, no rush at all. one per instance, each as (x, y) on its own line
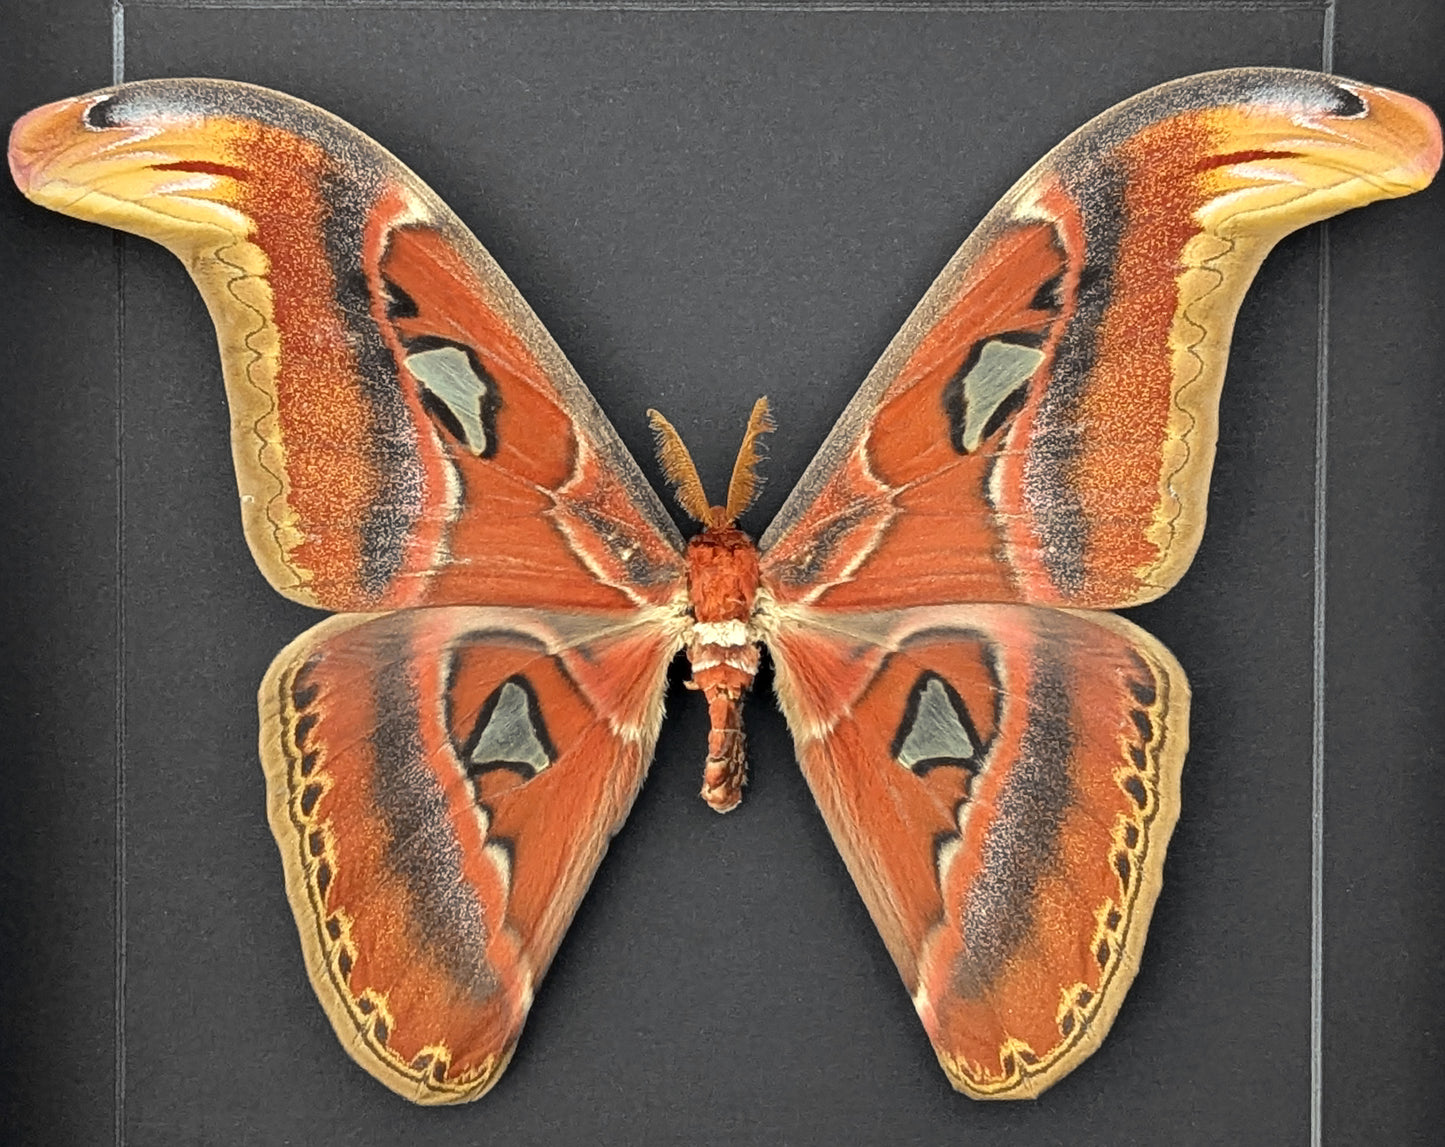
(101, 115)
(1348, 104)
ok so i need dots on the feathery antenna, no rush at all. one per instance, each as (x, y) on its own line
(678, 465)
(746, 482)
(681, 471)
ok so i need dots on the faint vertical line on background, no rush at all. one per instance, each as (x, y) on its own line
(117, 42)
(1317, 724)
(117, 69)
(120, 694)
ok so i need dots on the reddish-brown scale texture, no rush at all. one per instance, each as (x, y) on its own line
(390, 958)
(1067, 951)
(722, 575)
(1078, 824)
(1017, 514)
(532, 514)
(552, 827)
(504, 519)
(204, 166)
(1229, 158)
(920, 511)
(826, 672)
(945, 500)
(845, 520)
(900, 878)
(427, 531)
(535, 439)
(1127, 412)
(321, 412)
(619, 674)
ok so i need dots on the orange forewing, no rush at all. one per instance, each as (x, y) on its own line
(1043, 426)
(562, 524)
(375, 472)
(431, 883)
(1002, 787)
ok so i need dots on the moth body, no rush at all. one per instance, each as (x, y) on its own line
(723, 640)
(723, 649)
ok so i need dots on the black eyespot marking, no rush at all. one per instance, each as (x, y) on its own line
(1348, 105)
(333, 928)
(1084, 998)
(323, 877)
(936, 728)
(304, 690)
(365, 1006)
(1066, 1025)
(399, 305)
(343, 964)
(439, 1070)
(1050, 295)
(303, 729)
(1131, 836)
(1136, 754)
(1135, 788)
(1102, 955)
(1144, 725)
(510, 733)
(101, 115)
(309, 796)
(1111, 921)
(1122, 867)
(380, 1030)
(317, 843)
(1143, 692)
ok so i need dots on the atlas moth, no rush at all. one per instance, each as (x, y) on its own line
(995, 754)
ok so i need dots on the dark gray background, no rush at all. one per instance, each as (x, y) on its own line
(704, 205)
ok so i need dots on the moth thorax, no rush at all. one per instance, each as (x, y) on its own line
(722, 575)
